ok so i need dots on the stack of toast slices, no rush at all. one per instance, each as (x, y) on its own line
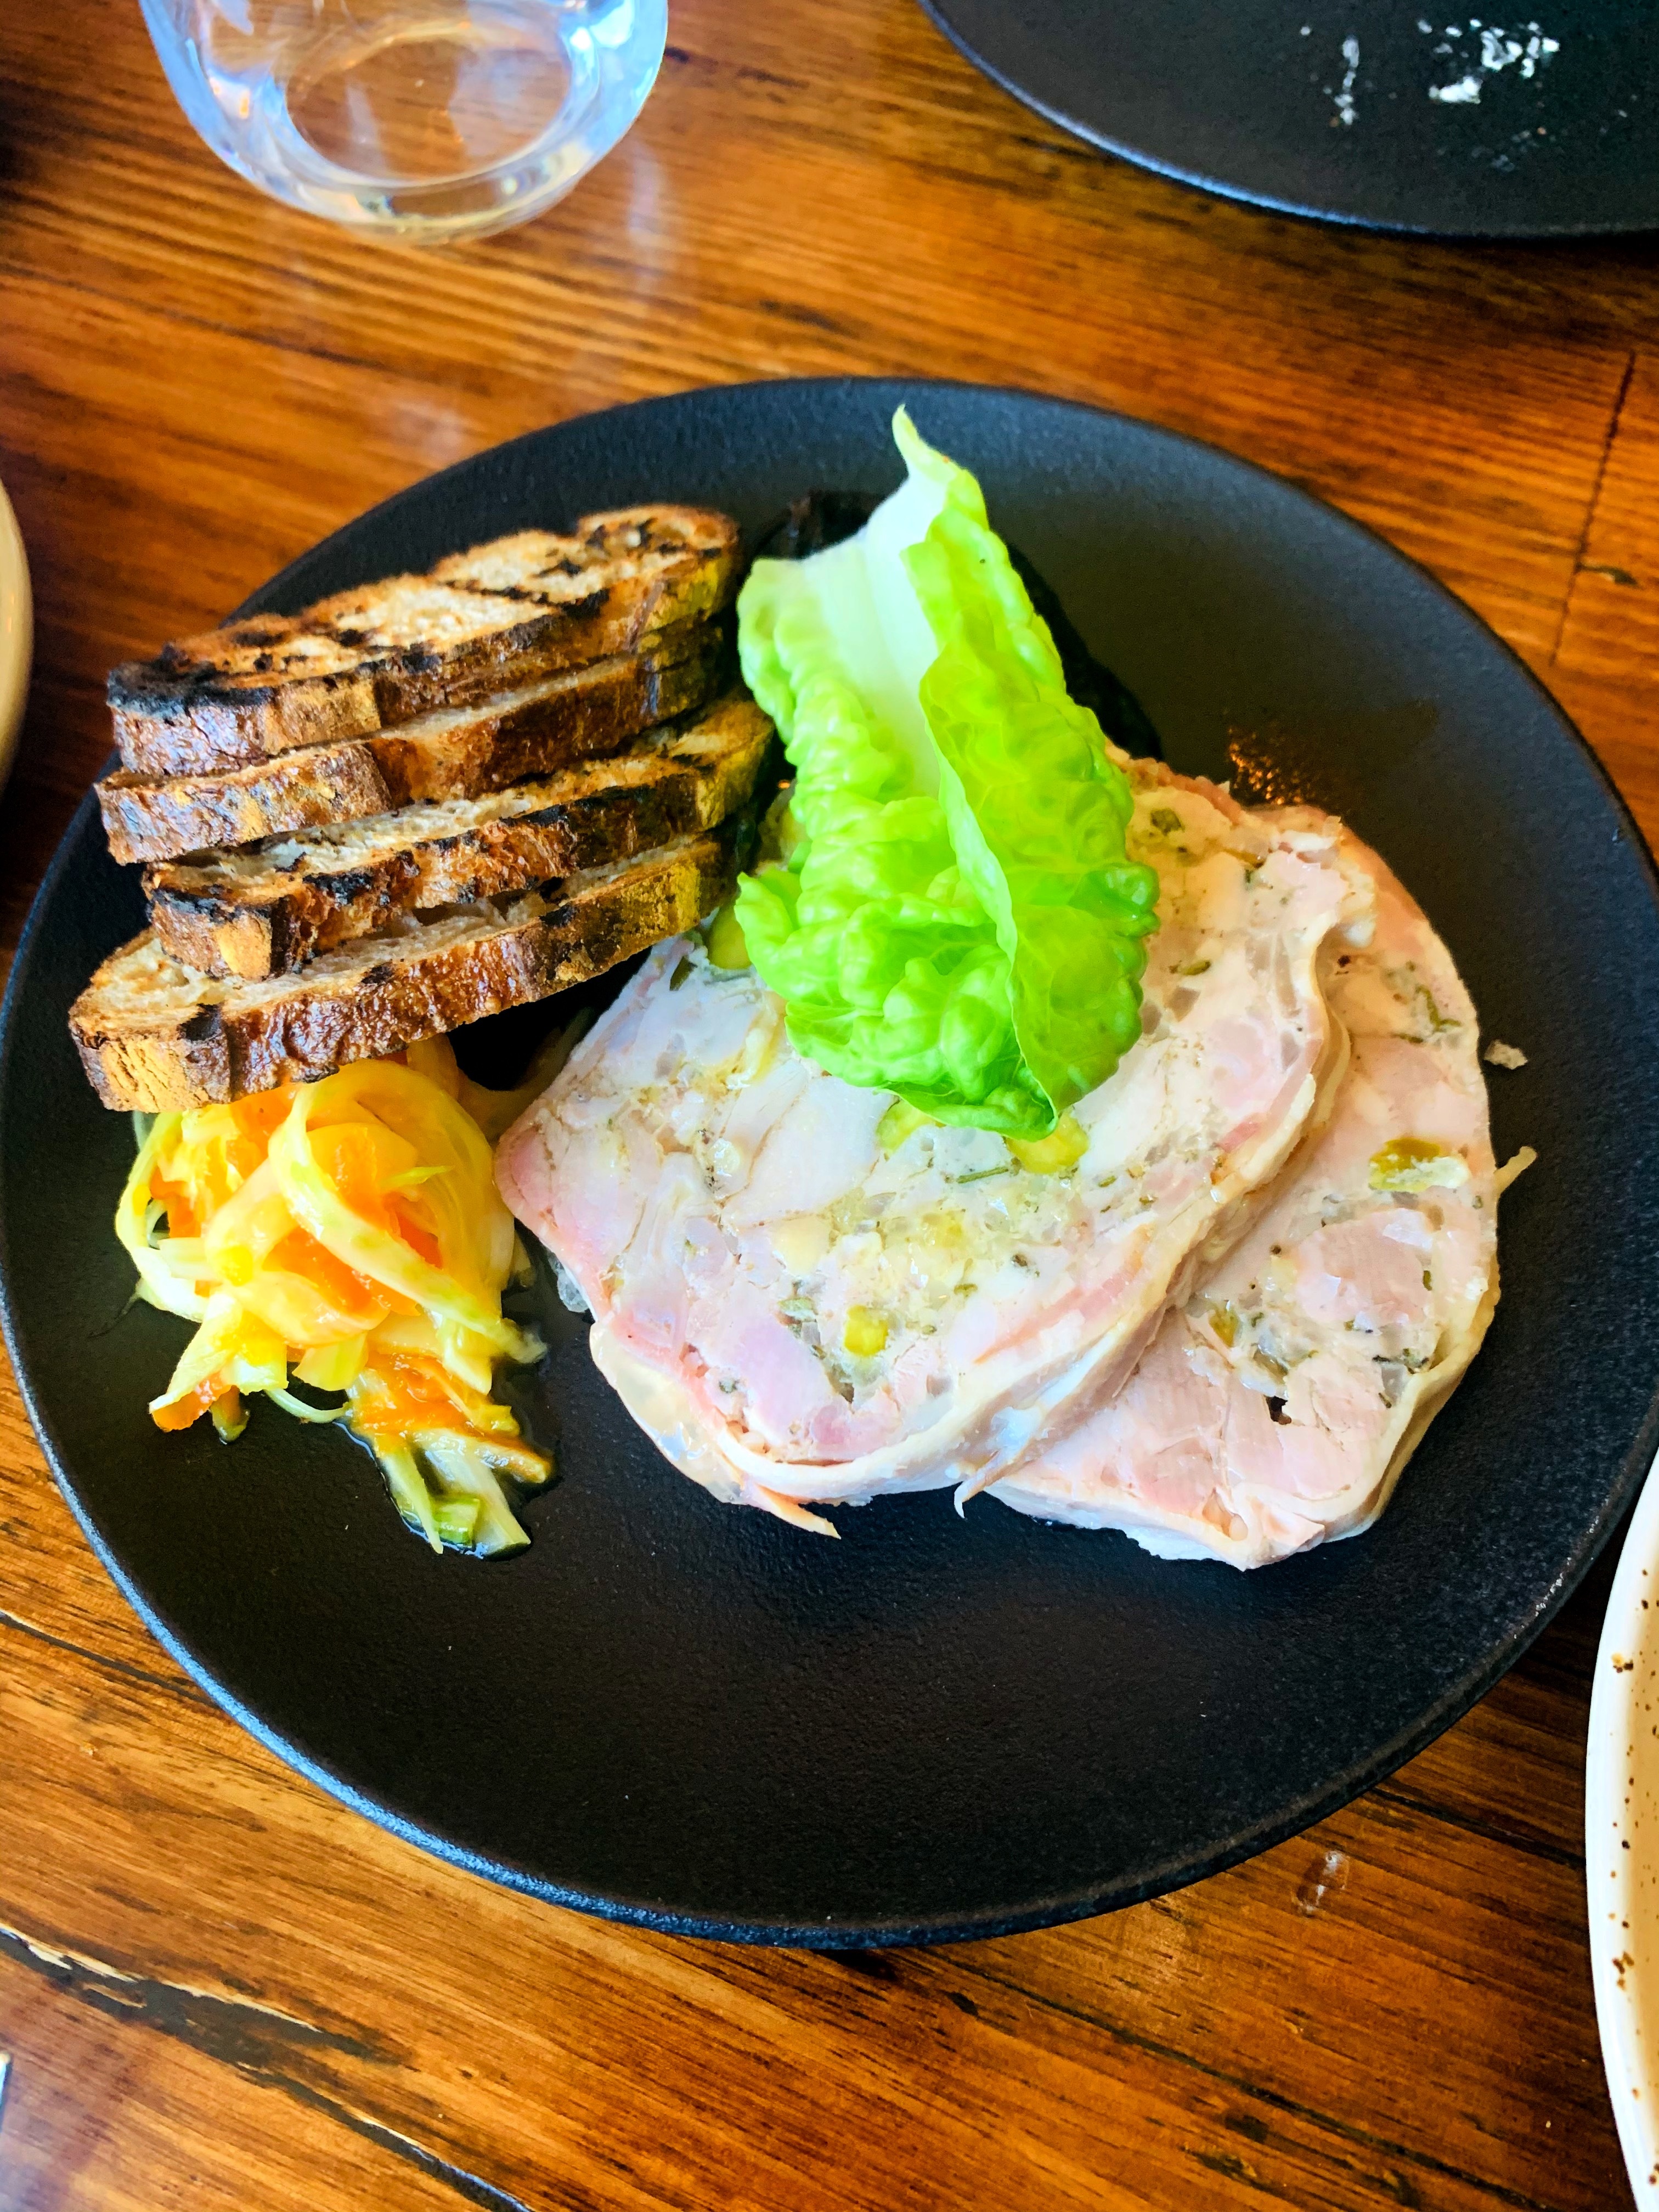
(420, 802)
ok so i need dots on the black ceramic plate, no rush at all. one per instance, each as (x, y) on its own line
(1396, 116)
(679, 1712)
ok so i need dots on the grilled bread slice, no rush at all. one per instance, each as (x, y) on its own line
(266, 911)
(479, 623)
(453, 752)
(155, 1036)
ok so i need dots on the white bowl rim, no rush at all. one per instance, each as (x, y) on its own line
(1622, 1854)
(16, 632)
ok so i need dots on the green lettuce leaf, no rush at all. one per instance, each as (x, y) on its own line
(960, 923)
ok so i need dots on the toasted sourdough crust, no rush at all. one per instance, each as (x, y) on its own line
(154, 1037)
(478, 623)
(450, 753)
(264, 913)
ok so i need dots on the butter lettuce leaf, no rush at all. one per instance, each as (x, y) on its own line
(960, 923)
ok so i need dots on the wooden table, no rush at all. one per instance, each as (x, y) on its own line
(218, 1987)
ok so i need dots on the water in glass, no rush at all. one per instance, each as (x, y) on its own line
(427, 118)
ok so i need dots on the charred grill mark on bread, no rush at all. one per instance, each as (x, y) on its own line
(420, 802)
(154, 1036)
(478, 623)
(449, 753)
(266, 912)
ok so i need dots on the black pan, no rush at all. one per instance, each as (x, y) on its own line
(676, 1712)
(1544, 123)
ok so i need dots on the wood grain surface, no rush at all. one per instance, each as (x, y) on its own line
(220, 1990)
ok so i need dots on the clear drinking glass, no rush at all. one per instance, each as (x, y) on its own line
(419, 118)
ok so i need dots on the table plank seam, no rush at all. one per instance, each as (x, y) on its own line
(1602, 460)
(1471, 1824)
(179, 1685)
(1153, 2047)
(235, 2032)
(1082, 155)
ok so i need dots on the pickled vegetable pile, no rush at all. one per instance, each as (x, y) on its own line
(345, 1235)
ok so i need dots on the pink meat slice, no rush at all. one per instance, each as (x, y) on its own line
(1275, 1409)
(734, 1219)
